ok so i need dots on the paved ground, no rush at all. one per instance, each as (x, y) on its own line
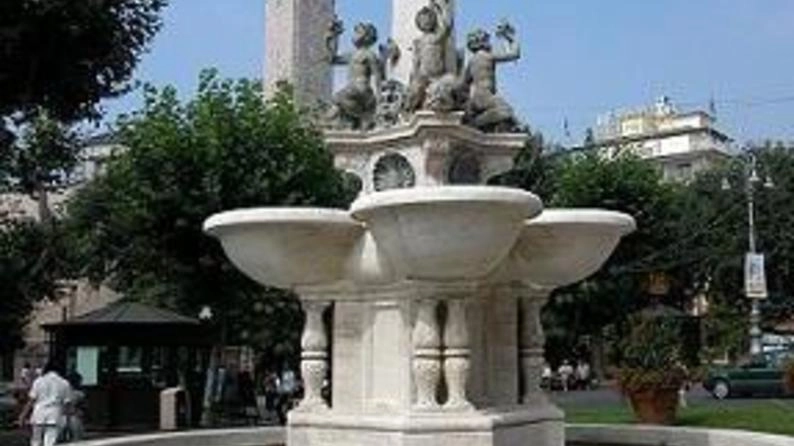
(20, 437)
(605, 396)
(14, 438)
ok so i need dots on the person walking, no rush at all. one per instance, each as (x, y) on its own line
(49, 398)
(73, 428)
(566, 373)
(583, 375)
(26, 376)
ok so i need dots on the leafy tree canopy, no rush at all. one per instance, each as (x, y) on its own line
(30, 267)
(696, 234)
(139, 225)
(65, 55)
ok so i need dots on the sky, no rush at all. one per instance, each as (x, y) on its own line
(581, 58)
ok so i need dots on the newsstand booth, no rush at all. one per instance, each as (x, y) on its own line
(126, 354)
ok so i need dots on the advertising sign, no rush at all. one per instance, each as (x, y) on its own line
(755, 276)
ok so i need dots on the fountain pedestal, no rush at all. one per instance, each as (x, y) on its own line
(420, 364)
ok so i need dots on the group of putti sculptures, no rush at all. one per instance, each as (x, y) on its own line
(439, 81)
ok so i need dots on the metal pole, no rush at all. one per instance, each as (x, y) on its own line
(755, 311)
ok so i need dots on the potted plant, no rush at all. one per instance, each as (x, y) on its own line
(651, 372)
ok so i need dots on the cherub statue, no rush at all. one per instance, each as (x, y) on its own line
(485, 110)
(354, 106)
(430, 64)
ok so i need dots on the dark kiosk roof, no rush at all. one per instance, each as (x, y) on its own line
(127, 313)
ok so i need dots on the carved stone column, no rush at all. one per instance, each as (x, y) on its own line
(457, 353)
(531, 342)
(314, 355)
(427, 355)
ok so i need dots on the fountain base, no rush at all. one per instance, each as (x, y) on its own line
(496, 427)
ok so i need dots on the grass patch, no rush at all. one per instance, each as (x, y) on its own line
(770, 416)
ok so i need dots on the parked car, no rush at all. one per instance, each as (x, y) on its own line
(762, 375)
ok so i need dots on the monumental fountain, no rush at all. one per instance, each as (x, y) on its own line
(422, 301)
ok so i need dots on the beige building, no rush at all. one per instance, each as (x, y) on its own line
(681, 143)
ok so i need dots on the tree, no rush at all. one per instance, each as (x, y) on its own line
(42, 161)
(29, 268)
(65, 56)
(58, 59)
(722, 248)
(627, 184)
(139, 225)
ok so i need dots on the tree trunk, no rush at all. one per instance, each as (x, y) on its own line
(42, 198)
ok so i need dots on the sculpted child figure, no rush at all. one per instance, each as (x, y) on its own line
(354, 106)
(485, 110)
(430, 53)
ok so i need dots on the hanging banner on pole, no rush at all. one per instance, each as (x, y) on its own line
(755, 276)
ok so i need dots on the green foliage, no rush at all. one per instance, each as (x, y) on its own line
(625, 184)
(695, 234)
(40, 161)
(65, 55)
(30, 266)
(58, 59)
(139, 225)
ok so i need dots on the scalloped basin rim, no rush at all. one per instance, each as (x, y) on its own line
(447, 194)
(257, 216)
(587, 217)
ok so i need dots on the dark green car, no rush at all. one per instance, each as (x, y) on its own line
(763, 375)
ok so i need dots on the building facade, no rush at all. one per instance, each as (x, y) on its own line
(681, 143)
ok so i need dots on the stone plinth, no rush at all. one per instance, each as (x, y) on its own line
(429, 150)
(497, 428)
(427, 364)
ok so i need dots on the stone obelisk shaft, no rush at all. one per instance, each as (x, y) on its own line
(295, 48)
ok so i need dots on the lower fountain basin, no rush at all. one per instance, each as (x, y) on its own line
(564, 246)
(444, 233)
(287, 247)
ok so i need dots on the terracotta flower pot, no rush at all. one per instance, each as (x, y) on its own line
(654, 406)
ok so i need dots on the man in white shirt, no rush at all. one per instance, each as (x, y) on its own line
(47, 404)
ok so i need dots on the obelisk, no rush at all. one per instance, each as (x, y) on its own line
(404, 32)
(295, 48)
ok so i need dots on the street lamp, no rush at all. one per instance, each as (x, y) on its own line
(755, 282)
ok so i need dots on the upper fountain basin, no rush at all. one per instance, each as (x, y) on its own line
(447, 232)
(287, 247)
(564, 246)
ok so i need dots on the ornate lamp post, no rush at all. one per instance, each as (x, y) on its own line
(755, 284)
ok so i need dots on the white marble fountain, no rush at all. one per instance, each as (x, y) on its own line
(435, 293)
